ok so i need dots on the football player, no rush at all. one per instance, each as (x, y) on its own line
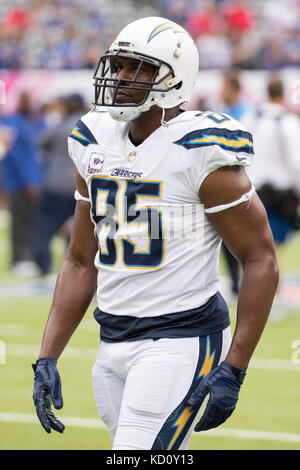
(157, 190)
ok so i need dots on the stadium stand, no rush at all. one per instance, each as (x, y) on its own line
(65, 34)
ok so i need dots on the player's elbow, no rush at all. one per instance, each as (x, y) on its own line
(262, 258)
(271, 266)
(81, 259)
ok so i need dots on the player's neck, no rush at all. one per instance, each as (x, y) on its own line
(148, 122)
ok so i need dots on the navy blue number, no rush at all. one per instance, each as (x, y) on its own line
(107, 218)
(218, 118)
(152, 218)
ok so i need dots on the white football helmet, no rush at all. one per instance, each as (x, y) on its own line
(156, 41)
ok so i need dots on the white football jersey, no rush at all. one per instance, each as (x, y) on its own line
(158, 253)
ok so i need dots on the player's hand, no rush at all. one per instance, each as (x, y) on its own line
(223, 386)
(47, 388)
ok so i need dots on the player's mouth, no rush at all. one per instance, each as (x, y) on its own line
(122, 97)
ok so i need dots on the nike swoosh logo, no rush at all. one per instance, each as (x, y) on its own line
(240, 159)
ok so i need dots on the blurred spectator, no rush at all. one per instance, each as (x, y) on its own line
(275, 172)
(177, 10)
(279, 15)
(242, 33)
(234, 103)
(239, 16)
(21, 181)
(272, 53)
(292, 46)
(205, 20)
(214, 50)
(16, 18)
(54, 112)
(56, 205)
(33, 116)
(276, 169)
(207, 26)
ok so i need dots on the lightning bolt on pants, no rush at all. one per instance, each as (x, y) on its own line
(141, 388)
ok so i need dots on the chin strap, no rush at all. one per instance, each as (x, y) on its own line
(167, 124)
(163, 122)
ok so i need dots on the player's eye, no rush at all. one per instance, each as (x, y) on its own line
(118, 67)
(132, 66)
(148, 69)
(115, 66)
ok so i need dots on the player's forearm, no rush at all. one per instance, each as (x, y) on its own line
(74, 290)
(258, 286)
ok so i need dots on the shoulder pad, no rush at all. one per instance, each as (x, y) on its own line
(218, 129)
(234, 140)
(82, 134)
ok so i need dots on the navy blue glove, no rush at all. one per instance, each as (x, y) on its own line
(223, 385)
(47, 388)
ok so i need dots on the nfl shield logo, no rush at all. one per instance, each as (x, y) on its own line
(96, 163)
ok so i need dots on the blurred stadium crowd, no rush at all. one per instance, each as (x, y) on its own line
(38, 178)
(69, 34)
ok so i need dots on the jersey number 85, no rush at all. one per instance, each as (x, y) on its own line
(126, 229)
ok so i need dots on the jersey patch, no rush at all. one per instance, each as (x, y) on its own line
(82, 134)
(237, 140)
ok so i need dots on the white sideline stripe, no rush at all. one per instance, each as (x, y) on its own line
(13, 329)
(274, 364)
(258, 435)
(32, 350)
(86, 353)
(91, 423)
(68, 421)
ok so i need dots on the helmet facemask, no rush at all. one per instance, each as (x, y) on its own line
(107, 85)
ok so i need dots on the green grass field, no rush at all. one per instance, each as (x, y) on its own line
(268, 412)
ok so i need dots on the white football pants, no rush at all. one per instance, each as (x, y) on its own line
(141, 388)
